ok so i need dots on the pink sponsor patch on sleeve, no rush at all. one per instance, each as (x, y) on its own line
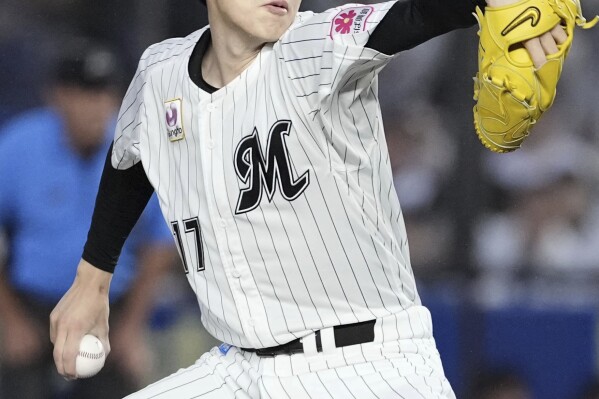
(351, 20)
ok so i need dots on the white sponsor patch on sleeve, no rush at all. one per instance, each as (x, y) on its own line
(350, 20)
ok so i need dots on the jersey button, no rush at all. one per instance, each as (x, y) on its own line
(251, 322)
(236, 274)
(210, 144)
(223, 223)
(211, 107)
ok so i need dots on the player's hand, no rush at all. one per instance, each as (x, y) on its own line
(546, 44)
(82, 310)
(539, 47)
(22, 341)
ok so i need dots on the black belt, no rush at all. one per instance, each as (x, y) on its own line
(345, 335)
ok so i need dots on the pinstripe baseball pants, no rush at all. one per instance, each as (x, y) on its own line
(408, 369)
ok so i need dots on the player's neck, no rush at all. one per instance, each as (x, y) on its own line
(228, 55)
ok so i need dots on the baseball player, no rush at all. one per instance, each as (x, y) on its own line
(262, 137)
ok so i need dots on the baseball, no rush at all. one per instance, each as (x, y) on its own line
(91, 357)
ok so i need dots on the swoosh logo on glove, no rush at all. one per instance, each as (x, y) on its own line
(531, 13)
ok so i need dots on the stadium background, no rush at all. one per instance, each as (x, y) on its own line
(505, 247)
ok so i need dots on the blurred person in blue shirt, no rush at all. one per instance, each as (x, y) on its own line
(51, 160)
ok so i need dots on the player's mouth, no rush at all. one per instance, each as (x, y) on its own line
(278, 7)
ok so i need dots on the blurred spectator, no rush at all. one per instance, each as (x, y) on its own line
(500, 385)
(51, 160)
(548, 228)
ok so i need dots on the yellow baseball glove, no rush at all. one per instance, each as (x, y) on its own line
(510, 93)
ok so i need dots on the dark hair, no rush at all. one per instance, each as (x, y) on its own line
(203, 2)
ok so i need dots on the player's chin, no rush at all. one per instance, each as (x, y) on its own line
(271, 29)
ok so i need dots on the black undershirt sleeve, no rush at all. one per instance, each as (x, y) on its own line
(411, 22)
(122, 197)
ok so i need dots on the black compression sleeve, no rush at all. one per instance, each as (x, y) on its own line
(122, 197)
(411, 22)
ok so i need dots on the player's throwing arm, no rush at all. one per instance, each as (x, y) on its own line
(82, 310)
(513, 86)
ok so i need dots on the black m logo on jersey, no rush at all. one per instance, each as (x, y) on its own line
(265, 173)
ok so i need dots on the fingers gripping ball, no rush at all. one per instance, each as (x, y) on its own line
(91, 357)
(510, 93)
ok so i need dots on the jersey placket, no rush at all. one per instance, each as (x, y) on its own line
(234, 263)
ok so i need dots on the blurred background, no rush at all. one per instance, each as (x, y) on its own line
(505, 247)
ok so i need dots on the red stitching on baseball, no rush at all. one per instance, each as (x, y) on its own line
(91, 355)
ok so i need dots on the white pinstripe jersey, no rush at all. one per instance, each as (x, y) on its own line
(278, 186)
